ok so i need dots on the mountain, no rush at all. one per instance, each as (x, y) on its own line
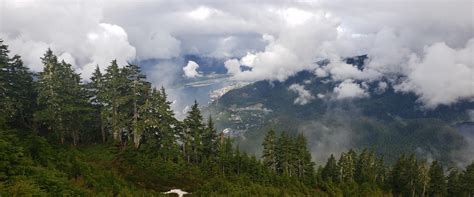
(387, 121)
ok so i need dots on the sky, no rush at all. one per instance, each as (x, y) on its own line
(419, 46)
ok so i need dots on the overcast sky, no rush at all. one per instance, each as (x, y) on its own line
(429, 43)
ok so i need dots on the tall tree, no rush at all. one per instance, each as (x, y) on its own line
(17, 94)
(98, 98)
(159, 125)
(193, 134)
(330, 171)
(117, 97)
(285, 155)
(467, 180)
(269, 155)
(62, 98)
(139, 88)
(437, 183)
(453, 186)
(304, 165)
(210, 140)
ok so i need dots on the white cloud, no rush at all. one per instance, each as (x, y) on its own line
(389, 32)
(304, 96)
(340, 71)
(190, 70)
(381, 87)
(349, 89)
(442, 76)
(232, 66)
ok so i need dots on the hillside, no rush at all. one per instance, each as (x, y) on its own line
(388, 122)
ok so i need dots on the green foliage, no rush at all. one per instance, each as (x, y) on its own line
(153, 152)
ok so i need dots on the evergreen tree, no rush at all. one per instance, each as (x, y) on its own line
(62, 98)
(17, 94)
(139, 89)
(304, 165)
(346, 165)
(437, 183)
(117, 97)
(194, 129)
(210, 140)
(98, 98)
(467, 180)
(404, 176)
(365, 167)
(423, 177)
(269, 155)
(159, 125)
(453, 187)
(285, 155)
(330, 171)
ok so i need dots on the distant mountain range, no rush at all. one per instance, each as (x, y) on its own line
(387, 121)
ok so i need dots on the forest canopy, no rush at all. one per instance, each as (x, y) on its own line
(116, 134)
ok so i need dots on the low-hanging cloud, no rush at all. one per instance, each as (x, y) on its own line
(349, 89)
(443, 75)
(304, 96)
(190, 70)
(275, 39)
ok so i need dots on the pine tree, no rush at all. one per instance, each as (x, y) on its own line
(98, 98)
(304, 165)
(365, 167)
(467, 180)
(330, 171)
(285, 154)
(269, 155)
(17, 94)
(117, 97)
(210, 140)
(346, 165)
(62, 98)
(225, 156)
(437, 183)
(423, 177)
(159, 125)
(453, 187)
(404, 176)
(193, 133)
(139, 88)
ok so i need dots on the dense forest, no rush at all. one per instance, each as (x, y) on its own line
(117, 135)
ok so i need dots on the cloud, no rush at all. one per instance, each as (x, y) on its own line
(190, 70)
(349, 89)
(276, 39)
(304, 96)
(442, 76)
(339, 71)
(73, 31)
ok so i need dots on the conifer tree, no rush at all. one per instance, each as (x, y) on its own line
(467, 180)
(158, 123)
(437, 183)
(17, 94)
(285, 154)
(139, 89)
(330, 171)
(210, 140)
(269, 155)
(193, 134)
(62, 98)
(98, 98)
(346, 165)
(117, 96)
(304, 165)
(453, 186)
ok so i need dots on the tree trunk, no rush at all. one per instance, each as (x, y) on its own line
(102, 129)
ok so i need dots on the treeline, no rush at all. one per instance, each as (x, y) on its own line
(117, 135)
